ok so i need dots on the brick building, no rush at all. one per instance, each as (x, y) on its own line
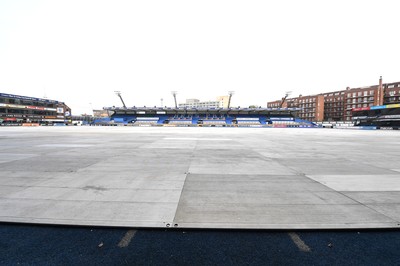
(337, 105)
(361, 97)
(391, 93)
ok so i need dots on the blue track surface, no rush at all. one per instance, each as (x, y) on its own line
(45, 245)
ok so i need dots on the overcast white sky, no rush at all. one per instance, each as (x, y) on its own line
(82, 51)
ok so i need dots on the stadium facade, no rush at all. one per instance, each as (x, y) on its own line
(338, 105)
(17, 109)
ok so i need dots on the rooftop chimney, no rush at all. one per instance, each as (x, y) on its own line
(380, 92)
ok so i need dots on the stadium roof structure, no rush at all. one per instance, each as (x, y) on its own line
(172, 110)
(28, 98)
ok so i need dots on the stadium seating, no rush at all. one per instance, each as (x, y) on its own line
(215, 122)
(146, 121)
(248, 121)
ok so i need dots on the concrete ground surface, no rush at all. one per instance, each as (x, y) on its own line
(237, 178)
(63, 245)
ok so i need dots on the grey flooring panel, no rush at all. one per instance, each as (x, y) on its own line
(6, 191)
(360, 182)
(87, 212)
(282, 216)
(332, 167)
(268, 202)
(381, 197)
(113, 183)
(49, 164)
(5, 174)
(390, 210)
(93, 193)
(200, 177)
(9, 157)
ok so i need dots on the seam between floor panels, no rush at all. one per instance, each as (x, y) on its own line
(174, 224)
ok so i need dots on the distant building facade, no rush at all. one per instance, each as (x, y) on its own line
(101, 113)
(224, 100)
(221, 102)
(337, 105)
(24, 109)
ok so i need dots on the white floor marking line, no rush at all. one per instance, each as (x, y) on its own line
(127, 239)
(299, 243)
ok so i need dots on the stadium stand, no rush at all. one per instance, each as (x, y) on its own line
(240, 117)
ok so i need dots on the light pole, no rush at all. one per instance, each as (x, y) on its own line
(119, 95)
(174, 93)
(230, 93)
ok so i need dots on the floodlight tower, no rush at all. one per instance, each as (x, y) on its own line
(284, 98)
(119, 95)
(174, 93)
(230, 93)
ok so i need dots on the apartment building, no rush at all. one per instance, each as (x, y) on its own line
(337, 105)
(391, 93)
(312, 107)
(221, 102)
(360, 97)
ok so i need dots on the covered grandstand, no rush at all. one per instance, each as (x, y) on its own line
(381, 116)
(216, 117)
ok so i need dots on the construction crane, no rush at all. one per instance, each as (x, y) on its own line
(230, 93)
(119, 95)
(174, 93)
(284, 98)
